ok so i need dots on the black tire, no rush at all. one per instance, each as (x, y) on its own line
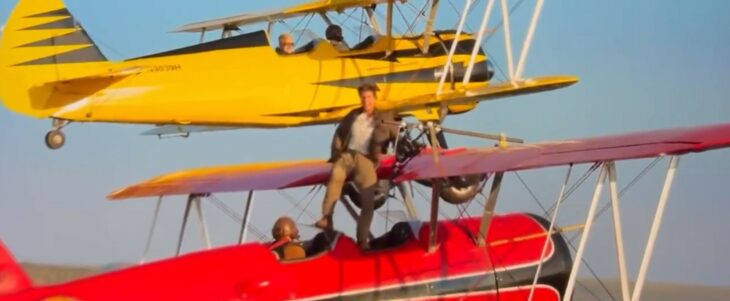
(458, 190)
(381, 193)
(55, 139)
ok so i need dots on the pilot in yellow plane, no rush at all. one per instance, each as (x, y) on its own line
(51, 68)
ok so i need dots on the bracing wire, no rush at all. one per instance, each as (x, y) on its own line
(306, 26)
(570, 242)
(405, 21)
(534, 197)
(297, 205)
(578, 183)
(396, 29)
(341, 23)
(298, 23)
(624, 190)
(419, 14)
(235, 216)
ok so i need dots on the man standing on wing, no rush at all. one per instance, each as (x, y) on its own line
(360, 139)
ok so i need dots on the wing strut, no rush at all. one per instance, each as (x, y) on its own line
(658, 216)
(389, 28)
(406, 193)
(449, 66)
(618, 232)
(428, 32)
(184, 223)
(514, 75)
(433, 223)
(528, 39)
(561, 198)
(203, 225)
(326, 18)
(508, 40)
(373, 21)
(246, 217)
(586, 231)
(152, 231)
(609, 168)
(193, 200)
(202, 36)
(489, 209)
(480, 39)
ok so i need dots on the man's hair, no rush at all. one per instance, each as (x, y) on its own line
(334, 33)
(368, 87)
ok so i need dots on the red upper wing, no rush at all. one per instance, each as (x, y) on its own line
(247, 177)
(607, 148)
(451, 163)
(229, 179)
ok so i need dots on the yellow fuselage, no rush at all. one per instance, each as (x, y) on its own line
(243, 81)
(50, 67)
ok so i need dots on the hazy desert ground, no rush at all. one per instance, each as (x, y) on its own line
(653, 292)
(50, 274)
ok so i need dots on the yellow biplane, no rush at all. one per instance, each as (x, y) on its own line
(51, 68)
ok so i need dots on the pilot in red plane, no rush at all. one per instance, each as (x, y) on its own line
(286, 244)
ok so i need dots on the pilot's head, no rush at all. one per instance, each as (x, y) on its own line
(286, 43)
(285, 227)
(368, 94)
(334, 33)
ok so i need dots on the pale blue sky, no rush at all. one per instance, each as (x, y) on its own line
(643, 65)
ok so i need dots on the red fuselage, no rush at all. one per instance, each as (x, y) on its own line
(400, 267)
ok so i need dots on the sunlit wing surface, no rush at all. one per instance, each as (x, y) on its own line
(264, 176)
(547, 154)
(268, 16)
(489, 92)
(270, 176)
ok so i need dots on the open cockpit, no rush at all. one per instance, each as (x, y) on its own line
(324, 242)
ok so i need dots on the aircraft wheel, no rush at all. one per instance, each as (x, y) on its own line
(381, 193)
(55, 139)
(458, 190)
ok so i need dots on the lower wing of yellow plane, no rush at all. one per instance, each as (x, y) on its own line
(473, 95)
(414, 105)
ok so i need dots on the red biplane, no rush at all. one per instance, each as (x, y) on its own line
(495, 257)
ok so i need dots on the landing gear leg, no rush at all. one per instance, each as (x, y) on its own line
(55, 138)
(454, 190)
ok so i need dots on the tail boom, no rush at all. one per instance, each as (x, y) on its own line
(12, 277)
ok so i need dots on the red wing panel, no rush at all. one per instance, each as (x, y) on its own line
(607, 148)
(455, 162)
(266, 176)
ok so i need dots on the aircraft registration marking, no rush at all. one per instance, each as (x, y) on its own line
(166, 68)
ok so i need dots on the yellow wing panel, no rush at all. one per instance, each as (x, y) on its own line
(261, 176)
(488, 92)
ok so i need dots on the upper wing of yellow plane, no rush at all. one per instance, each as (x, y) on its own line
(246, 19)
